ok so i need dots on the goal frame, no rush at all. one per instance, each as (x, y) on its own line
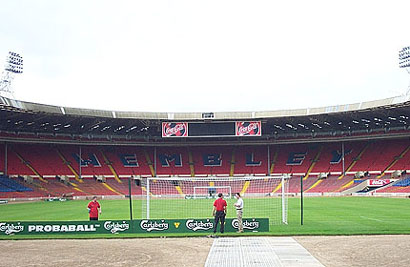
(283, 192)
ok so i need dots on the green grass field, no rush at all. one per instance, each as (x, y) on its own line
(322, 215)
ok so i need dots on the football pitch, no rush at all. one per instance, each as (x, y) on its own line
(322, 215)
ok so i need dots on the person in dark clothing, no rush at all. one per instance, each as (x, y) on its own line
(219, 212)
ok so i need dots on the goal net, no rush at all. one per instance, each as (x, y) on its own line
(210, 192)
(193, 197)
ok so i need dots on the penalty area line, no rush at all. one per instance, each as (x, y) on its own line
(372, 219)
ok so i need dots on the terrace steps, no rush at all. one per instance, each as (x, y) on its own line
(111, 167)
(68, 164)
(355, 160)
(402, 154)
(312, 165)
(25, 162)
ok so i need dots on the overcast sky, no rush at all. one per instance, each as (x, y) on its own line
(205, 55)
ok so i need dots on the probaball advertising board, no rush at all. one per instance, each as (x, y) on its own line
(66, 227)
(127, 226)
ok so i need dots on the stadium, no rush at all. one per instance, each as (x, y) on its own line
(335, 170)
(202, 133)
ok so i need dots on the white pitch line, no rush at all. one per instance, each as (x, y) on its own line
(373, 219)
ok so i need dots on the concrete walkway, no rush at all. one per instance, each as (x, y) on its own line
(259, 251)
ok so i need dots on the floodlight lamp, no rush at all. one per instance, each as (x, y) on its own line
(404, 62)
(404, 57)
(14, 65)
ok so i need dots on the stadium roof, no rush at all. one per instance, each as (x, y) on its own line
(379, 117)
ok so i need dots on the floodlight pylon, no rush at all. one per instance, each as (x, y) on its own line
(404, 62)
(13, 66)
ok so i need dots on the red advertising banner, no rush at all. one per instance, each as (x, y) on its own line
(248, 128)
(174, 129)
(374, 182)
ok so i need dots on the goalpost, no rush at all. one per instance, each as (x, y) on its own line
(193, 197)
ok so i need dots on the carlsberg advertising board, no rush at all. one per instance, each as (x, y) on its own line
(127, 226)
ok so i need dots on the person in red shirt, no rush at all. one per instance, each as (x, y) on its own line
(94, 209)
(219, 212)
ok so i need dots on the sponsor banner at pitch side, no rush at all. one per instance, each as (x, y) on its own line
(72, 227)
(200, 225)
(127, 226)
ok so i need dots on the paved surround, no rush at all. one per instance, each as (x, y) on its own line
(259, 251)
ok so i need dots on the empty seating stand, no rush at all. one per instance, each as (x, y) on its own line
(9, 185)
(402, 186)
(118, 163)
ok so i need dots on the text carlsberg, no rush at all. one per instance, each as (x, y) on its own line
(115, 227)
(250, 225)
(195, 225)
(154, 225)
(10, 228)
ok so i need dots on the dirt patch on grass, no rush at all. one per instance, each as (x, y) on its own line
(386, 250)
(329, 250)
(106, 252)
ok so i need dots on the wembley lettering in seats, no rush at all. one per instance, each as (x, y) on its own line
(48, 228)
(154, 225)
(250, 225)
(11, 228)
(115, 227)
(196, 225)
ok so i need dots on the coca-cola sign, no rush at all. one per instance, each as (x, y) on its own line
(248, 128)
(174, 129)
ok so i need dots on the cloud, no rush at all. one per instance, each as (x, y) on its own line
(206, 56)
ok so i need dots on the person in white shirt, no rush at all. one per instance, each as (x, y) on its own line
(239, 210)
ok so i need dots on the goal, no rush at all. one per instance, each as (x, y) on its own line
(193, 197)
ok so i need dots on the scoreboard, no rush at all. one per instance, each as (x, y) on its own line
(211, 129)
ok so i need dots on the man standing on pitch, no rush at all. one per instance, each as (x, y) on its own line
(219, 212)
(94, 209)
(239, 206)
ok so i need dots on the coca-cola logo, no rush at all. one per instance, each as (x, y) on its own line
(248, 128)
(174, 129)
